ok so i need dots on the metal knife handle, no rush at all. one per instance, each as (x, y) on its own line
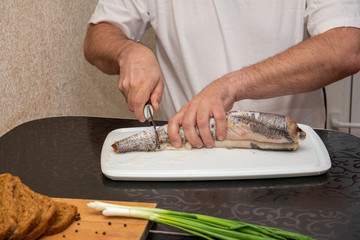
(148, 110)
(148, 113)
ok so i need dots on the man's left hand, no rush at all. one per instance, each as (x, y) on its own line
(212, 102)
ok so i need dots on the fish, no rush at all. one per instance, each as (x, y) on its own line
(245, 129)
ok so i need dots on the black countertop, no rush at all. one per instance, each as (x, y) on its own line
(60, 157)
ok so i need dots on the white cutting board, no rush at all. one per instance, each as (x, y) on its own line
(311, 158)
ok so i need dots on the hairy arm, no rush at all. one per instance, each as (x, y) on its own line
(310, 65)
(140, 78)
(104, 45)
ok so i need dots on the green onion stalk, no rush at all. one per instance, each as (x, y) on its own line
(200, 225)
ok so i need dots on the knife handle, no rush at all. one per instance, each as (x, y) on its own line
(148, 110)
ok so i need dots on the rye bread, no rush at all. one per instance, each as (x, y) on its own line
(48, 211)
(28, 212)
(26, 215)
(7, 206)
(66, 215)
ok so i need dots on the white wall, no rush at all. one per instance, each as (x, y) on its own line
(343, 97)
(355, 111)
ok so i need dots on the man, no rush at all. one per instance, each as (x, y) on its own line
(218, 55)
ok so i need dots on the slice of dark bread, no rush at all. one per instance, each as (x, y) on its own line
(7, 206)
(65, 216)
(28, 213)
(48, 211)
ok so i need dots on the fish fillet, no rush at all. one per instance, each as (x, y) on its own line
(245, 129)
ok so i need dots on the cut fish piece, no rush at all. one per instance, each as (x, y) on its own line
(245, 129)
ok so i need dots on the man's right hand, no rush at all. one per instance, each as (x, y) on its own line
(109, 49)
(140, 78)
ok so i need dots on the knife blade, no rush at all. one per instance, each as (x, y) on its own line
(148, 113)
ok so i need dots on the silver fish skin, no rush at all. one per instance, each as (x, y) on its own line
(245, 129)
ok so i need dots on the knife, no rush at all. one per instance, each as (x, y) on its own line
(148, 113)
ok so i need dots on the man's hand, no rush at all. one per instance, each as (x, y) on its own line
(212, 101)
(140, 78)
(109, 49)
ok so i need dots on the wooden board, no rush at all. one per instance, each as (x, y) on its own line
(92, 225)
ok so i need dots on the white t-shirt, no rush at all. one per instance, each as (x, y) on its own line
(199, 41)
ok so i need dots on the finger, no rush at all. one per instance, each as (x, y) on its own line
(189, 123)
(123, 87)
(130, 100)
(174, 124)
(140, 99)
(156, 95)
(203, 124)
(221, 124)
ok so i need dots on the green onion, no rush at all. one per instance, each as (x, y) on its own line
(200, 225)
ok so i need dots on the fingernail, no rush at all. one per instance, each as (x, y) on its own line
(198, 145)
(221, 137)
(209, 145)
(176, 144)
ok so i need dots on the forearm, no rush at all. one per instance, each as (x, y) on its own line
(308, 66)
(103, 46)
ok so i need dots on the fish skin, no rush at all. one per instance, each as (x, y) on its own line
(245, 129)
(264, 127)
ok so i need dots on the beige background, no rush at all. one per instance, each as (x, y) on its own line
(43, 71)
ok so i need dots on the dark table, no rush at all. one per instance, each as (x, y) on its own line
(60, 157)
